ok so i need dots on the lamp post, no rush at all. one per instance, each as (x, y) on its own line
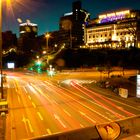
(70, 35)
(47, 40)
(1, 49)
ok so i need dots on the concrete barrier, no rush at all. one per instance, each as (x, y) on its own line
(89, 133)
(107, 131)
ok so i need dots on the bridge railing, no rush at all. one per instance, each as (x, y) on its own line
(107, 131)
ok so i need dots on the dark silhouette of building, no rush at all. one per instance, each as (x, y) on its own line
(71, 29)
(72, 25)
(9, 40)
(27, 37)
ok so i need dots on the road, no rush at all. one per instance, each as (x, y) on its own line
(38, 106)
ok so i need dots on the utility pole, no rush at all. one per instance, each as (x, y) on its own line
(1, 49)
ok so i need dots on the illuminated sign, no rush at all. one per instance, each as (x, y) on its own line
(28, 24)
(68, 14)
(138, 86)
(11, 65)
(113, 16)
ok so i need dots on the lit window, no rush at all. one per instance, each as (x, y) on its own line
(133, 44)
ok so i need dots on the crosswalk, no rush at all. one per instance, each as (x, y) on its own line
(86, 81)
(79, 81)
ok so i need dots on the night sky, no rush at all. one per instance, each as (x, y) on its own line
(46, 13)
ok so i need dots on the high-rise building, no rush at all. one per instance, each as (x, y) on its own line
(72, 25)
(27, 37)
(28, 29)
(9, 40)
(117, 29)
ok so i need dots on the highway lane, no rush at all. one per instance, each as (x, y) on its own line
(40, 108)
(124, 107)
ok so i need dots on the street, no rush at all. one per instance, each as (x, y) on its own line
(38, 106)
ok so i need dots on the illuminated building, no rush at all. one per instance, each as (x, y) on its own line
(28, 29)
(72, 25)
(27, 37)
(118, 29)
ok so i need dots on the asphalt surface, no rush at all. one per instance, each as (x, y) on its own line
(40, 105)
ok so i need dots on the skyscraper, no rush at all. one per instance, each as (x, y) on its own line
(27, 37)
(28, 29)
(72, 25)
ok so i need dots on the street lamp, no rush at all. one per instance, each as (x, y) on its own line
(47, 40)
(1, 49)
(8, 2)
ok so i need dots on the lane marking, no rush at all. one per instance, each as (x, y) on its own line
(48, 131)
(27, 122)
(32, 89)
(58, 118)
(40, 116)
(25, 89)
(55, 102)
(16, 90)
(24, 120)
(34, 105)
(19, 99)
(44, 95)
(67, 112)
(89, 108)
(29, 97)
(87, 117)
(82, 125)
(30, 126)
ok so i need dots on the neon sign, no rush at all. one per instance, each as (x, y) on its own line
(113, 16)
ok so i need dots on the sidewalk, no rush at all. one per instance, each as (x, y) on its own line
(108, 93)
(2, 127)
(3, 120)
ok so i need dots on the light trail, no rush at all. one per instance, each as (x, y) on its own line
(103, 98)
(103, 105)
(63, 94)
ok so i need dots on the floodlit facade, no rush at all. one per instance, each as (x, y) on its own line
(27, 37)
(28, 29)
(118, 29)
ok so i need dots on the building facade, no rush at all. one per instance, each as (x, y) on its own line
(27, 37)
(71, 25)
(118, 29)
(28, 29)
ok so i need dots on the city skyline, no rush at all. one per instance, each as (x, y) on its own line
(46, 13)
